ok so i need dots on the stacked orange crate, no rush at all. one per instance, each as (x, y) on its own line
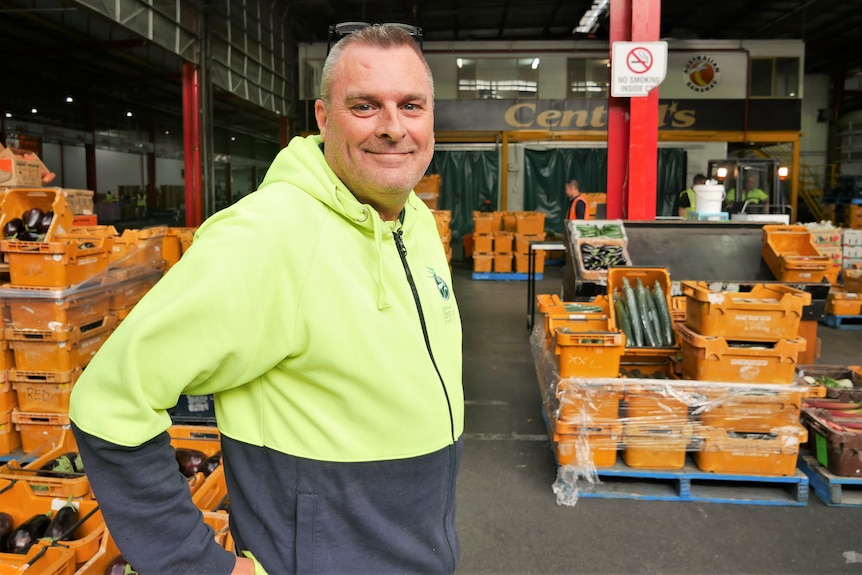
(749, 338)
(528, 227)
(484, 226)
(443, 219)
(828, 241)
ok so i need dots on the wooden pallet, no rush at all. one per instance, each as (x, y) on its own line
(833, 490)
(843, 321)
(692, 484)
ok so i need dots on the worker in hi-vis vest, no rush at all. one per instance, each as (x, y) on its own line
(687, 197)
(578, 208)
(142, 204)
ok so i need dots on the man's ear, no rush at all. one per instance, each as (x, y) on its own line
(321, 117)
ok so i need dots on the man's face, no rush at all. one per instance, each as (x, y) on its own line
(379, 127)
(571, 191)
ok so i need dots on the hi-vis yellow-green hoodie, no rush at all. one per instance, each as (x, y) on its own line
(319, 338)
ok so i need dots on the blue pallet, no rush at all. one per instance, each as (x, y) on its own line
(502, 276)
(692, 484)
(833, 490)
(843, 321)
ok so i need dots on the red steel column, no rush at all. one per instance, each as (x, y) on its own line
(633, 122)
(618, 120)
(192, 144)
(643, 134)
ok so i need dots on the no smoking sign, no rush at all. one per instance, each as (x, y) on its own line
(637, 67)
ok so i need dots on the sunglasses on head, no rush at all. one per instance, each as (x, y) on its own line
(339, 31)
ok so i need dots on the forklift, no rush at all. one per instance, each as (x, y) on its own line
(756, 189)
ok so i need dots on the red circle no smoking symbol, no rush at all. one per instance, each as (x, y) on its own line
(639, 60)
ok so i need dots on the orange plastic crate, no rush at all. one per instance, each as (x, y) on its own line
(63, 487)
(503, 242)
(529, 222)
(842, 303)
(791, 255)
(43, 391)
(10, 438)
(8, 397)
(852, 281)
(61, 355)
(7, 356)
(647, 445)
(138, 247)
(483, 243)
(42, 559)
(775, 454)
(60, 263)
(523, 241)
(16, 201)
(127, 293)
(588, 354)
(589, 445)
(39, 431)
(175, 243)
(648, 276)
(503, 263)
(483, 263)
(753, 410)
(212, 494)
(522, 263)
(19, 501)
(33, 308)
(589, 404)
(767, 312)
(486, 222)
(650, 408)
(658, 366)
(719, 359)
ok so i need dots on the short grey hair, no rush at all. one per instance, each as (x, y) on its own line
(375, 36)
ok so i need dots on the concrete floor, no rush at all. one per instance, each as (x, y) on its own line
(509, 520)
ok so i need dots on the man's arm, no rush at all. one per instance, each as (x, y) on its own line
(581, 209)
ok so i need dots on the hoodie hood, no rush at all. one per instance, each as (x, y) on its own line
(302, 166)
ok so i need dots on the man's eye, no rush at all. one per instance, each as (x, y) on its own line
(362, 107)
(412, 107)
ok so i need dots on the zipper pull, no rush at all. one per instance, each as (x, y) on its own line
(399, 242)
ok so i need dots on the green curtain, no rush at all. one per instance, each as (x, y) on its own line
(467, 179)
(547, 171)
(672, 166)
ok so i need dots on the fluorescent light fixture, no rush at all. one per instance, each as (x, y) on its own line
(34, 111)
(8, 114)
(460, 62)
(69, 99)
(535, 63)
(129, 114)
(590, 20)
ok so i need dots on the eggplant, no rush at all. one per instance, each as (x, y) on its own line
(28, 533)
(63, 520)
(12, 228)
(119, 566)
(7, 524)
(189, 460)
(44, 222)
(67, 465)
(28, 236)
(211, 463)
(31, 218)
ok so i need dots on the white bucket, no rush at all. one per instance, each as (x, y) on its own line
(708, 198)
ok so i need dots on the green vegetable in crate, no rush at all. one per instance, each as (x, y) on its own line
(28, 533)
(655, 321)
(634, 315)
(612, 231)
(67, 465)
(624, 323)
(63, 521)
(587, 230)
(644, 313)
(663, 313)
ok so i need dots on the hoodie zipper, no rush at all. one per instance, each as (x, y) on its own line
(402, 252)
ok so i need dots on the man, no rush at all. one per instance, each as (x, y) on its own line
(751, 193)
(319, 312)
(687, 197)
(578, 208)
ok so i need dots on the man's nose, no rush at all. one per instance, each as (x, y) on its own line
(390, 124)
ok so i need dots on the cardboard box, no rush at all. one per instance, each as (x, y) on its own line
(16, 172)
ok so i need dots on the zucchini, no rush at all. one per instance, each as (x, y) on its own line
(663, 313)
(655, 321)
(624, 323)
(643, 300)
(634, 316)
